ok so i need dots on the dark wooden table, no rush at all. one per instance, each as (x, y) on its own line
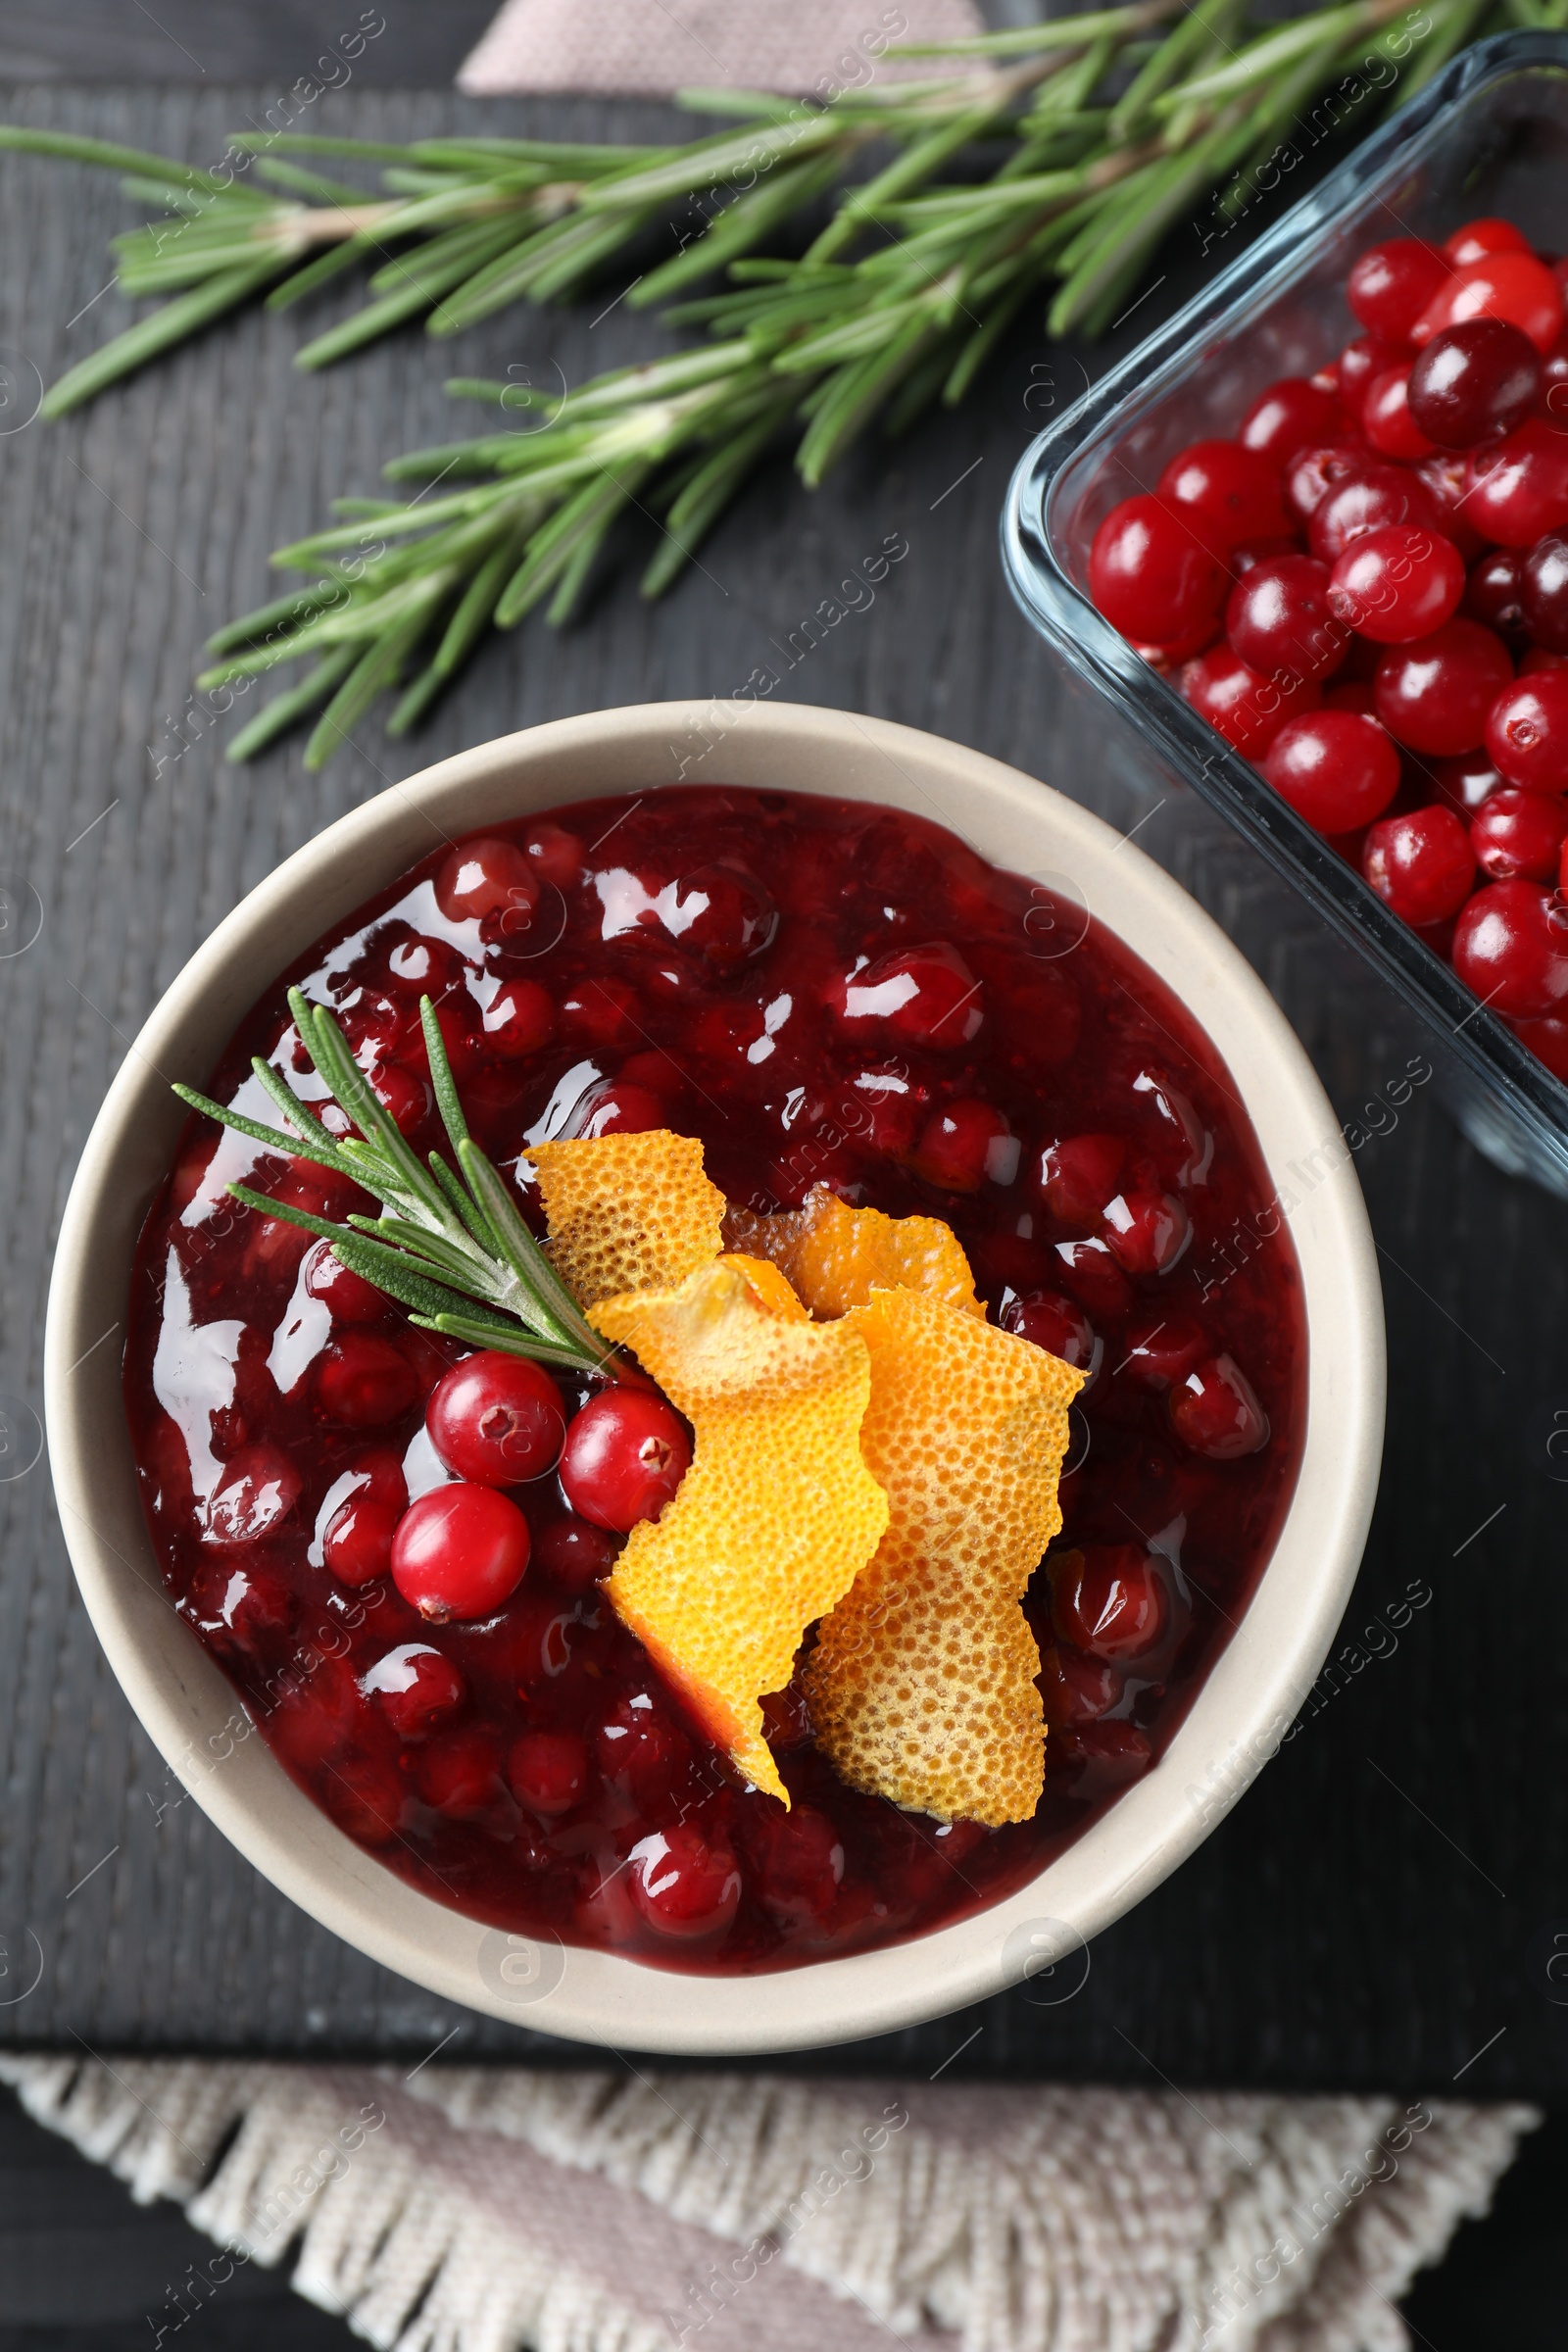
(1373, 1912)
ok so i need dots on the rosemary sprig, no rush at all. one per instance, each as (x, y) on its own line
(449, 1247)
(898, 304)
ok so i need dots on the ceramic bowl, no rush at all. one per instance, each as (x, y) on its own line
(1238, 1717)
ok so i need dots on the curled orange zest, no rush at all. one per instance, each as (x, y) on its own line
(778, 1513)
(627, 1212)
(834, 1256)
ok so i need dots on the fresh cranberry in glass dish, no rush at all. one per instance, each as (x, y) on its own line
(1245, 705)
(684, 1883)
(1111, 1600)
(1474, 382)
(1336, 767)
(1513, 287)
(1510, 947)
(1544, 591)
(1278, 621)
(573, 1552)
(416, 1688)
(624, 1456)
(492, 1730)
(1420, 864)
(1373, 496)
(1445, 475)
(1527, 731)
(1519, 486)
(1433, 694)
(1396, 583)
(1539, 661)
(1215, 1410)
(459, 1552)
(924, 996)
(549, 1771)
(1548, 1041)
(1367, 357)
(1484, 235)
(1493, 596)
(497, 1420)
(1386, 417)
(492, 881)
(1289, 414)
(1391, 285)
(1316, 469)
(1151, 574)
(1227, 494)
(1467, 782)
(1518, 836)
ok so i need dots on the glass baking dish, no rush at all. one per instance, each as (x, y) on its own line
(1489, 134)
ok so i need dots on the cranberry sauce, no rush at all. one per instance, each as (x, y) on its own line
(825, 992)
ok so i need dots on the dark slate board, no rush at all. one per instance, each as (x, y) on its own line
(1375, 1911)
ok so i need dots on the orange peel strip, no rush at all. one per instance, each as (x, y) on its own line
(834, 1256)
(627, 1212)
(777, 1514)
(922, 1686)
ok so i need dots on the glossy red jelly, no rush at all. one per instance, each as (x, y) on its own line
(820, 991)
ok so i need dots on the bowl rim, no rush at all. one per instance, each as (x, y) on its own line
(1488, 1053)
(1241, 1715)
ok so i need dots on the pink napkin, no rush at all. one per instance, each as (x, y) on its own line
(652, 48)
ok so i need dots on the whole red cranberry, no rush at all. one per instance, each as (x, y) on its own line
(1487, 234)
(1519, 486)
(686, 1884)
(1229, 495)
(1374, 497)
(1390, 284)
(1420, 864)
(624, 1456)
(1151, 574)
(1527, 731)
(356, 1541)
(1243, 703)
(1146, 1229)
(1093, 1275)
(488, 878)
(1077, 1688)
(1079, 1174)
(1317, 470)
(255, 1493)
(1163, 1350)
(1548, 1040)
(362, 1381)
(548, 1771)
(1445, 474)
(1510, 946)
(1387, 419)
(1435, 693)
(240, 1609)
(459, 1552)
(1513, 286)
(722, 913)
(1289, 414)
(1111, 1600)
(1396, 583)
(1464, 783)
(963, 1144)
(617, 1107)
(1369, 356)
(350, 1297)
(800, 1864)
(555, 855)
(1518, 835)
(1474, 382)
(416, 1687)
(925, 995)
(518, 1019)
(1337, 769)
(574, 1555)
(1049, 1320)
(1544, 591)
(1215, 1410)
(641, 1753)
(495, 1419)
(1278, 620)
(459, 1772)
(1492, 593)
